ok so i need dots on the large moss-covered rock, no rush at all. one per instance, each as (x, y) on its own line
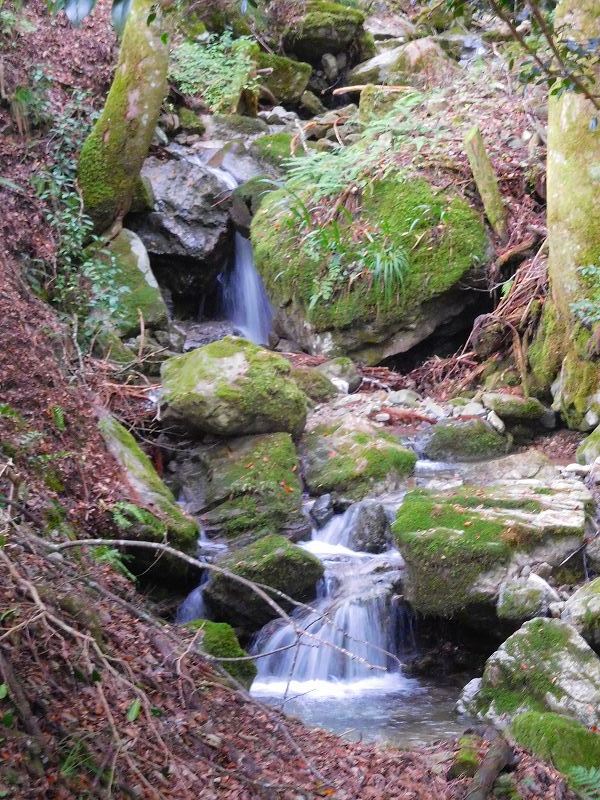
(273, 561)
(219, 640)
(582, 610)
(513, 408)
(563, 742)
(472, 440)
(244, 488)
(148, 490)
(544, 666)
(325, 27)
(187, 234)
(129, 274)
(232, 387)
(573, 192)
(354, 459)
(287, 80)
(461, 547)
(363, 319)
(314, 384)
(113, 153)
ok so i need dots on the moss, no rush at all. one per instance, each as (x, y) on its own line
(513, 407)
(410, 210)
(219, 640)
(326, 27)
(546, 352)
(253, 192)
(273, 561)
(589, 450)
(245, 126)
(233, 386)
(353, 462)
(449, 540)
(288, 78)
(314, 384)
(263, 488)
(579, 385)
(190, 121)
(113, 153)
(143, 197)
(561, 741)
(275, 148)
(366, 46)
(472, 440)
(519, 602)
(145, 482)
(466, 760)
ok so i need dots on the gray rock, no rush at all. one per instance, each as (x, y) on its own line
(496, 422)
(370, 530)
(390, 26)
(322, 510)
(592, 551)
(330, 66)
(404, 397)
(525, 598)
(200, 333)
(187, 234)
(547, 664)
(342, 372)
(582, 610)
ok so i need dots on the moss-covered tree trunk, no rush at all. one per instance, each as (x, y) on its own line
(565, 347)
(113, 154)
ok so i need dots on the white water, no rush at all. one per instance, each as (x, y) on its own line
(357, 609)
(245, 301)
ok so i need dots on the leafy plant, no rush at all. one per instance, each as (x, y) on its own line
(586, 782)
(126, 515)
(219, 69)
(82, 281)
(114, 558)
(58, 418)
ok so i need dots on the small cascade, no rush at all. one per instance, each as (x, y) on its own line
(357, 609)
(244, 299)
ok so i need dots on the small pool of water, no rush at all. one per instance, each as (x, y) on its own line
(406, 712)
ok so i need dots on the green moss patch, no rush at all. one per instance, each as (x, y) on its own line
(219, 640)
(563, 742)
(474, 440)
(353, 462)
(314, 384)
(288, 78)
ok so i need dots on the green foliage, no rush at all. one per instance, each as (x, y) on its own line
(114, 558)
(586, 782)
(126, 515)
(82, 278)
(58, 418)
(219, 70)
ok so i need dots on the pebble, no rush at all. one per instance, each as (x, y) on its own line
(404, 397)
(556, 609)
(382, 417)
(496, 422)
(473, 409)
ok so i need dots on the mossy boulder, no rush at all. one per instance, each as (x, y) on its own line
(272, 561)
(364, 320)
(342, 372)
(325, 27)
(472, 440)
(232, 387)
(113, 153)
(582, 610)
(544, 666)
(460, 547)
(243, 489)
(287, 80)
(589, 450)
(190, 121)
(275, 148)
(316, 386)
(129, 278)
(563, 742)
(514, 408)
(353, 459)
(420, 63)
(147, 489)
(219, 640)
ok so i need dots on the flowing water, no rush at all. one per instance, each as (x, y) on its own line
(359, 611)
(244, 299)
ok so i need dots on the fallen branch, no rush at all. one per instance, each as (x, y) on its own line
(361, 86)
(497, 757)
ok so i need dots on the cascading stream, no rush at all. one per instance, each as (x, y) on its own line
(245, 301)
(357, 609)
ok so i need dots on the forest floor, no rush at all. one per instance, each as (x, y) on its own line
(100, 690)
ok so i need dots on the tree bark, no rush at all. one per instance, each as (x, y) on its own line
(113, 154)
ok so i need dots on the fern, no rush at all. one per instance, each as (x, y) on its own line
(58, 418)
(115, 559)
(586, 782)
(125, 515)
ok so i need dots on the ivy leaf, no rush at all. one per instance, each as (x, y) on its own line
(134, 710)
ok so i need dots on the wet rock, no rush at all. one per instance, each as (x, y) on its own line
(370, 528)
(310, 103)
(315, 385)
(589, 450)
(471, 440)
(545, 665)
(232, 387)
(199, 334)
(273, 561)
(322, 510)
(187, 233)
(582, 610)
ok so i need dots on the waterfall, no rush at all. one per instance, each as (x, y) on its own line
(244, 299)
(357, 609)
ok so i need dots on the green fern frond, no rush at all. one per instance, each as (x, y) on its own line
(586, 782)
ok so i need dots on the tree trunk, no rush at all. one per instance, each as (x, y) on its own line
(113, 153)
(564, 345)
